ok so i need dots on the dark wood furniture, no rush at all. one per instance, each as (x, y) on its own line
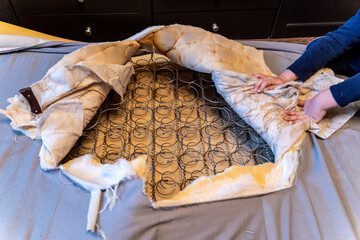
(107, 20)
(301, 18)
(233, 19)
(85, 20)
(7, 13)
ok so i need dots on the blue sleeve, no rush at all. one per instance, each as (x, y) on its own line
(327, 48)
(347, 91)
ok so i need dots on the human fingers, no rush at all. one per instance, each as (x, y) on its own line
(301, 103)
(263, 85)
(272, 87)
(258, 84)
(292, 112)
(261, 78)
(294, 116)
(297, 121)
(259, 75)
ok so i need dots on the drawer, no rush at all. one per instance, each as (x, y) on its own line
(104, 27)
(162, 6)
(232, 24)
(42, 7)
(319, 18)
(7, 13)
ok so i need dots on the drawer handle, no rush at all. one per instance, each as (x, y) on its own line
(215, 27)
(88, 31)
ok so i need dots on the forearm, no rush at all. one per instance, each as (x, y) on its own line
(271, 82)
(347, 91)
(326, 100)
(327, 48)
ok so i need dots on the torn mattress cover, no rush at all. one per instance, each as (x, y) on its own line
(72, 91)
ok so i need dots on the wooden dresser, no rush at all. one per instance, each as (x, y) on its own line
(108, 20)
(300, 18)
(85, 20)
(233, 19)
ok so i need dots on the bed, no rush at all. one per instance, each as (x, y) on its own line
(36, 204)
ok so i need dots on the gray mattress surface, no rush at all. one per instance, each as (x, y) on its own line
(324, 203)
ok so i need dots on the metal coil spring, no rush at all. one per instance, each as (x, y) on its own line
(176, 117)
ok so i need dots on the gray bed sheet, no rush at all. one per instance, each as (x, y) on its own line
(324, 203)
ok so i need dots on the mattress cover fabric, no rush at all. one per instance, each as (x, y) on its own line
(73, 89)
(37, 185)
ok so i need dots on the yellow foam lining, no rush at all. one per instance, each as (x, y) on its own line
(10, 29)
(258, 172)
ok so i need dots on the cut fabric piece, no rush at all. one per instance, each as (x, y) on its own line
(22, 119)
(94, 177)
(62, 122)
(86, 76)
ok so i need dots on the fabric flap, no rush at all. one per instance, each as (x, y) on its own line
(22, 119)
(117, 76)
(60, 127)
(88, 172)
(203, 51)
(93, 176)
(335, 118)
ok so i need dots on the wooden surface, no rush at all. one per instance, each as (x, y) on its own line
(298, 40)
(232, 24)
(49, 7)
(7, 13)
(107, 27)
(109, 20)
(118, 19)
(161, 6)
(301, 18)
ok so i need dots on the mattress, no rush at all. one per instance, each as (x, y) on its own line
(44, 205)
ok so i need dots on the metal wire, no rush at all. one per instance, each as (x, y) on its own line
(176, 117)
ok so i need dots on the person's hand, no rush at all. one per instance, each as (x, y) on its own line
(314, 112)
(313, 109)
(295, 116)
(267, 82)
(271, 82)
